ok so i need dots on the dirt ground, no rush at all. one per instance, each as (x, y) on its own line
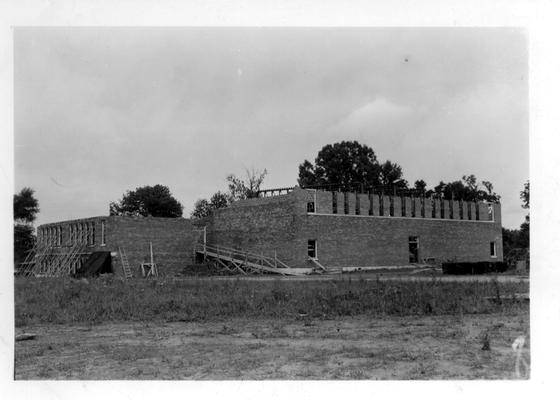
(438, 347)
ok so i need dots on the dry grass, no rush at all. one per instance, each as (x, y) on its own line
(39, 301)
(389, 347)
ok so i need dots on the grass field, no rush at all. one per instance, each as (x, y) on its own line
(56, 301)
(346, 328)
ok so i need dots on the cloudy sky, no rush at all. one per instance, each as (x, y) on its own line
(99, 111)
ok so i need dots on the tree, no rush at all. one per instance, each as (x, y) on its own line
(349, 165)
(240, 189)
(390, 175)
(203, 208)
(465, 189)
(524, 228)
(154, 201)
(26, 207)
(517, 241)
(524, 195)
(420, 186)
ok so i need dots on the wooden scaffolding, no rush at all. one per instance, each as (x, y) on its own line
(234, 261)
(51, 261)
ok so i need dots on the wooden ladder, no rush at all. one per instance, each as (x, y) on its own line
(125, 264)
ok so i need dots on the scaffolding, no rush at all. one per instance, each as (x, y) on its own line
(234, 261)
(52, 261)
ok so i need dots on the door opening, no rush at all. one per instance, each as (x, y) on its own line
(413, 249)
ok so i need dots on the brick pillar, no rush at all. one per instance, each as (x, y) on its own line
(397, 205)
(437, 207)
(407, 207)
(471, 207)
(386, 205)
(482, 210)
(497, 212)
(351, 203)
(323, 204)
(340, 202)
(364, 204)
(375, 204)
(455, 205)
(427, 207)
(445, 209)
(417, 207)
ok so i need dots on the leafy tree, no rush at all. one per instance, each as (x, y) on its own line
(524, 195)
(524, 228)
(238, 189)
(220, 200)
(26, 207)
(465, 189)
(420, 186)
(203, 208)
(517, 241)
(154, 201)
(243, 189)
(349, 165)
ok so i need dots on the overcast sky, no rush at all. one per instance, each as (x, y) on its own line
(100, 111)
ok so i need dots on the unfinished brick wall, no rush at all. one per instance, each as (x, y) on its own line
(263, 225)
(172, 240)
(281, 224)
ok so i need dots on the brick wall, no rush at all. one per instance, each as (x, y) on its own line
(172, 240)
(264, 225)
(370, 241)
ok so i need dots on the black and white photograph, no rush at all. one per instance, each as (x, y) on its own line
(271, 203)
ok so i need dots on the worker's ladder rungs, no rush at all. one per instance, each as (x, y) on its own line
(126, 266)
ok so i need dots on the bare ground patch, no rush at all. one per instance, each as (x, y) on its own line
(388, 347)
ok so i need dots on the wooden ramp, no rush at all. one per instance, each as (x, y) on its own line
(234, 261)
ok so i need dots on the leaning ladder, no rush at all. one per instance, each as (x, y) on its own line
(125, 264)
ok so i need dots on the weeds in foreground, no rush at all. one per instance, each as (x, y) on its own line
(48, 300)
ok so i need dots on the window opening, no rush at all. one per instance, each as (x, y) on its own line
(493, 249)
(312, 249)
(102, 233)
(310, 206)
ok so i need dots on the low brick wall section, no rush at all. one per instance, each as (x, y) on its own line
(172, 240)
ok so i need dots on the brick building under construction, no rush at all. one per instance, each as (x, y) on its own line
(289, 231)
